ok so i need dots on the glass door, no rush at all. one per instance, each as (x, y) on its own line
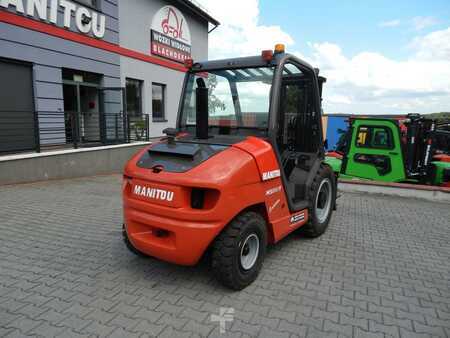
(89, 113)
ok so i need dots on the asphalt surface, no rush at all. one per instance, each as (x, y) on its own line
(381, 269)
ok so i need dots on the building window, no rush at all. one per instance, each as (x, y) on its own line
(134, 97)
(158, 100)
(89, 3)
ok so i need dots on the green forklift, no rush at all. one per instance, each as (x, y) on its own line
(413, 150)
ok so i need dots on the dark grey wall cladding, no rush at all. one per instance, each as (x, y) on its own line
(43, 41)
(50, 54)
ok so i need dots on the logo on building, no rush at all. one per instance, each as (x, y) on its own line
(86, 20)
(170, 35)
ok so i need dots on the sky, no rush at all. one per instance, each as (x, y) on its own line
(379, 56)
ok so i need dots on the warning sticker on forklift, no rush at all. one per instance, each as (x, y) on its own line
(273, 190)
(268, 175)
(297, 218)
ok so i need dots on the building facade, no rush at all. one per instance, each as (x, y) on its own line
(93, 71)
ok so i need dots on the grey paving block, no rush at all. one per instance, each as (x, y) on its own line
(392, 331)
(172, 321)
(74, 322)
(46, 330)
(100, 315)
(359, 333)
(16, 333)
(121, 333)
(267, 333)
(268, 322)
(288, 315)
(292, 328)
(120, 320)
(150, 315)
(199, 316)
(24, 324)
(433, 330)
(242, 327)
(202, 329)
(52, 317)
(145, 326)
(7, 317)
(98, 329)
(65, 271)
(170, 332)
(31, 311)
(314, 333)
(80, 310)
(408, 334)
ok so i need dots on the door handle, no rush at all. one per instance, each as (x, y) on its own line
(393, 153)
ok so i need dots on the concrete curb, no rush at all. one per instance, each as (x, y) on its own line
(64, 164)
(435, 194)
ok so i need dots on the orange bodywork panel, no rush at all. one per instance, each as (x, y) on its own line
(160, 221)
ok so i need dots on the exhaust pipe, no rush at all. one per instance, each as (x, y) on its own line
(201, 96)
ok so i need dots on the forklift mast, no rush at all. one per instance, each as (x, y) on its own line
(423, 141)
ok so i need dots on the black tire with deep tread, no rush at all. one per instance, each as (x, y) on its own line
(226, 250)
(314, 228)
(129, 245)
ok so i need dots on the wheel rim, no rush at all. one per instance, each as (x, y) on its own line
(249, 251)
(323, 200)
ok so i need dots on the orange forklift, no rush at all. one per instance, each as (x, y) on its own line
(243, 168)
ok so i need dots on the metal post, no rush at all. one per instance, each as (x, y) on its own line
(128, 129)
(74, 118)
(37, 137)
(124, 127)
(116, 121)
(147, 127)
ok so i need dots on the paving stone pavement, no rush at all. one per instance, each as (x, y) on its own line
(381, 270)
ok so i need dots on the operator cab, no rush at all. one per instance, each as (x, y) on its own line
(275, 96)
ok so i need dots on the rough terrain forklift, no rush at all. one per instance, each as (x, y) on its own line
(412, 150)
(243, 168)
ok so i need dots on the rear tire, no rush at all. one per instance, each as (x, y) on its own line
(129, 245)
(238, 252)
(322, 199)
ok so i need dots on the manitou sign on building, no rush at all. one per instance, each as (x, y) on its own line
(76, 66)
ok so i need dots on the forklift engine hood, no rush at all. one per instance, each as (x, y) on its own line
(177, 157)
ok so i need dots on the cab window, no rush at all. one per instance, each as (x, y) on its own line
(374, 137)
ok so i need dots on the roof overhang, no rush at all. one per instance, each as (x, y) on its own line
(195, 8)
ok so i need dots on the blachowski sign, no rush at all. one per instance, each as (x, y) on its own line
(170, 35)
(86, 20)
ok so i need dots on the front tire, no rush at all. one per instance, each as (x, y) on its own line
(238, 252)
(322, 201)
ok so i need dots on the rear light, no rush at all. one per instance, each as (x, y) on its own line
(197, 198)
(267, 55)
(204, 198)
